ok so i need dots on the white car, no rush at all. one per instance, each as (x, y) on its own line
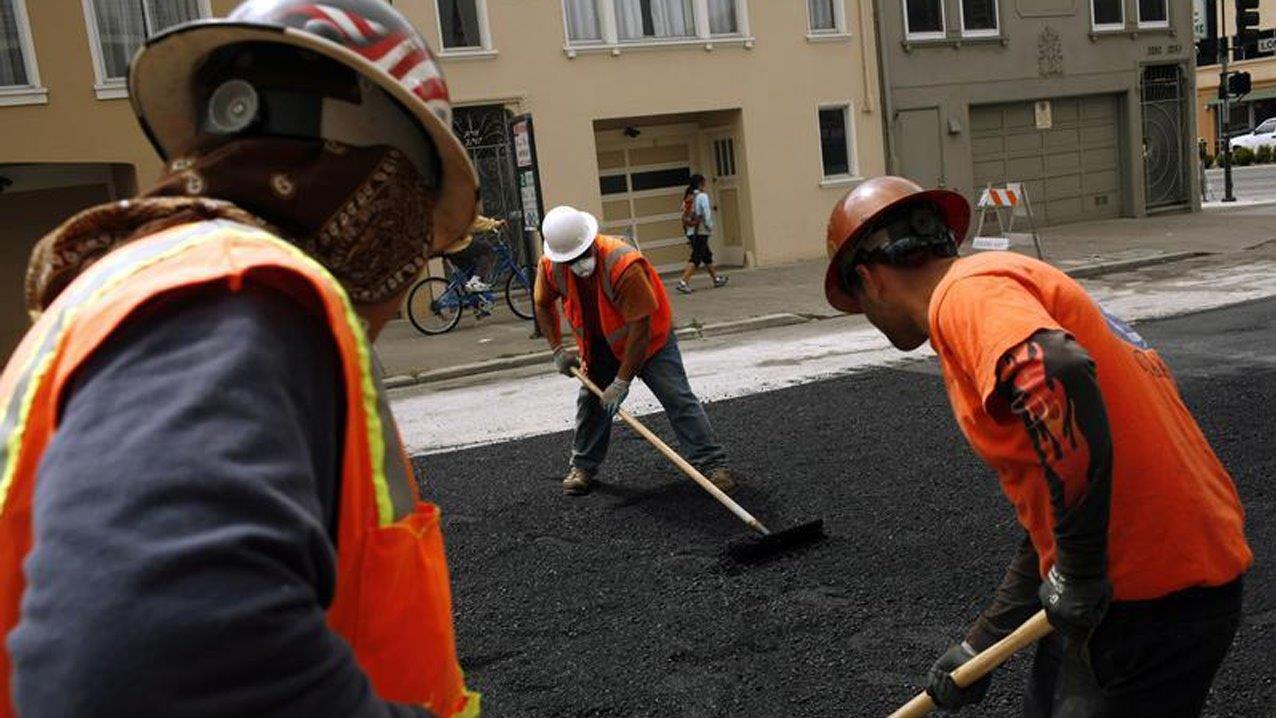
(1264, 134)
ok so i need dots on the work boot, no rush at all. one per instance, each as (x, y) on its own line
(723, 479)
(577, 482)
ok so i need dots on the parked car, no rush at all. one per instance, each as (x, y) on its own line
(1264, 134)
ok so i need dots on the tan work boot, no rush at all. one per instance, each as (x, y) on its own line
(723, 479)
(577, 482)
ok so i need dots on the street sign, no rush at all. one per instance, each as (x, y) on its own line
(1267, 44)
(1200, 26)
(1045, 119)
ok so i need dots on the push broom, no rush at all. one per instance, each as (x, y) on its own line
(767, 541)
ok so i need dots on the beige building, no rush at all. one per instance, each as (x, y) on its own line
(1258, 59)
(775, 101)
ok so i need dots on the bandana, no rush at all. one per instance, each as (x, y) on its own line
(364, 213)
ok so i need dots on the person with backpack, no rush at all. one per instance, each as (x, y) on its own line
(697, 222)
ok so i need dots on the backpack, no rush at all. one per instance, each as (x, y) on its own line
(689, 217)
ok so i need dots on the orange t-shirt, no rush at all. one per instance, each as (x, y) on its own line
(1176, 520)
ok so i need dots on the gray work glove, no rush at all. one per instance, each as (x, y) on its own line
(940, 685)
(565, 361)
(1075, 607)
(614, 395)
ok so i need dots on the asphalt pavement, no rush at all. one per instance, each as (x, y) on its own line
(622, 603)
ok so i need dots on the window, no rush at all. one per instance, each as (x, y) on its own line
(837, 148)
(820, 15)
(19, 81)
(1107, 14)
(1267, 126)
(643, 19)
(658, 179)
(979, 18)
(463, 25)
(1154, 13)
(118, 27)
(923, 19)
(607, 23)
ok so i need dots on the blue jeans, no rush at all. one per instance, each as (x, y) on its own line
(665, 376)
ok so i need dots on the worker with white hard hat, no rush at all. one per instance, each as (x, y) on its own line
(621, 318)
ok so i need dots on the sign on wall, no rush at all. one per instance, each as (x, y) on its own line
(1045, 117)
(1200, 27)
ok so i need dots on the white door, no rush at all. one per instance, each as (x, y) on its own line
(727, 240)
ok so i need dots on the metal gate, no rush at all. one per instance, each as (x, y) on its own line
(484, 130)
(1164, 141)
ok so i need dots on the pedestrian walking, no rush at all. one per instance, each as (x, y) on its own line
(1134, 538)
(697, 222)
(205, 506)
(621, 319)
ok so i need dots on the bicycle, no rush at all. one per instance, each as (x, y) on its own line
(435, 304)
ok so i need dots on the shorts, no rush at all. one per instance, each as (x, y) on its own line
(700, 252)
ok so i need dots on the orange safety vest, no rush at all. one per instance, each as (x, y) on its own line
(392, 601)
(614, 257)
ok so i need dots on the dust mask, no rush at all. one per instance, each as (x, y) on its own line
(584, 267)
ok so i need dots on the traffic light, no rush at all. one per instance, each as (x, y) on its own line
(1246, 21)
(1239, 84)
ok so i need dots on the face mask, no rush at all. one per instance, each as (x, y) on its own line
(584, 267)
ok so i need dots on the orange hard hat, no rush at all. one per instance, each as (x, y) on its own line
(863, 206)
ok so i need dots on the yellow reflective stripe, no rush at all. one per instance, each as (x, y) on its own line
(472, 708)
(612, 258)
(105, 276)
(617, 335)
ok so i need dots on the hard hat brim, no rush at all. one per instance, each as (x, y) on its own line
(952, 206)
(159, 91)
(591, 223)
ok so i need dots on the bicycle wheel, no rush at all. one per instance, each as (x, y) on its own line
(434, 306)
(518, 294)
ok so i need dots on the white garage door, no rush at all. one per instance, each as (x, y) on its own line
(642, 181)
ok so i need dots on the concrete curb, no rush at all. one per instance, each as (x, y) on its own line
(766, 321)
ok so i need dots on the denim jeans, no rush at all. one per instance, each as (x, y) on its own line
(665, 376)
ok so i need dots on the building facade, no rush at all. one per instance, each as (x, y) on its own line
(1217, 19)
(1086, 102)
(776, 103)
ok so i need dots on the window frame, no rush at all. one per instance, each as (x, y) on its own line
(839, 23)
(609, 31)
(1153, 24)
(940, 34)
(484, 48)
(996, 16)
(1107, 27)
(31, 93)
(852, 173)
(116, 88)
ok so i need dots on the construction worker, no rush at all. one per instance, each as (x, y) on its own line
(1134, 543)
(620, 315)
(205, 507)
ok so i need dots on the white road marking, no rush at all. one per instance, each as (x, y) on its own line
(518, 404)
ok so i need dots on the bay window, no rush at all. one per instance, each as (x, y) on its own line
(619, 22)
(923, 19)
(117, 28)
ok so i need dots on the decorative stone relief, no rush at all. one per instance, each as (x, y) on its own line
(1049, 52)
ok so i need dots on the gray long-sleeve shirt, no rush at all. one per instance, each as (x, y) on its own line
(184, 522)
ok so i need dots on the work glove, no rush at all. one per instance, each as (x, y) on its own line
(940, 686)
(564, 361)
(1074, 606)
(614, 395)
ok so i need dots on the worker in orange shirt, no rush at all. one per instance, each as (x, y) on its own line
(623, 325)
(1134, 539)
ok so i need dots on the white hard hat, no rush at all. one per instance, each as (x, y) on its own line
(568, 232)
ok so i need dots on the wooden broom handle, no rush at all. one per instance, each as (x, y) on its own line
(1032, 630)
(682, 463)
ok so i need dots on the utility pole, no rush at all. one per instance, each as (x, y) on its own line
(1225, 98)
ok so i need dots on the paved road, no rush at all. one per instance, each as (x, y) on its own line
(1256, 182)
(621, 604)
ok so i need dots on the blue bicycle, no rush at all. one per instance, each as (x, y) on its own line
(435, 304)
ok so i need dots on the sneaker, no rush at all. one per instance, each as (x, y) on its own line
(577, 482)
(720, 281)
(477, 285)
(684, 288)
(723, 479)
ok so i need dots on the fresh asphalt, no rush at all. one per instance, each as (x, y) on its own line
(622, 603)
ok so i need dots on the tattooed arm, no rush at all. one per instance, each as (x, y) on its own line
(1049, 383)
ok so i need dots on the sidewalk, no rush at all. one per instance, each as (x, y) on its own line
(793, 293)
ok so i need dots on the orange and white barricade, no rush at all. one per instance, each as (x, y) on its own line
(1005, 204)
